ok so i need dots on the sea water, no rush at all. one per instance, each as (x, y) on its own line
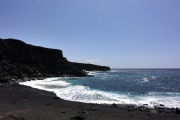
(119, 86)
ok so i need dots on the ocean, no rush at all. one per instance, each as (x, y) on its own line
(119, 86)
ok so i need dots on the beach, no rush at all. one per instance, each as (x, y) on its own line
(18, 102)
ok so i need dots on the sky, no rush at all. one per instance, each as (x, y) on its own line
(114, 33)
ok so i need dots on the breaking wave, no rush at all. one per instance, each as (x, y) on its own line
(68, 91)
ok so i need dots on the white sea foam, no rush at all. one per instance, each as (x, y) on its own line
(145, 80)
(91, 72)
(80, 93)
(49, 84)
(96, 73)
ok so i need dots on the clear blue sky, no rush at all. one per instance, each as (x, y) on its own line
(115, 33)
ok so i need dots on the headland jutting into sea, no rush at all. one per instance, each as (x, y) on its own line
(22, 62)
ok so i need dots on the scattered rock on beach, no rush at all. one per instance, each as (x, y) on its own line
(56, 98)
(145, 105)
(134, 107)
(161, 105)
(161, 108)
(80, 117)
(114, 105)
(177, 110)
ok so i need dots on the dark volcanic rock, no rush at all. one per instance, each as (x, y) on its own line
(80, 117)
(21, 62)
(90, 67)
(177, 110)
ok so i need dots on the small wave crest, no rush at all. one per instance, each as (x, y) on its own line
(49, 84)
(145, 80)
(95, 73)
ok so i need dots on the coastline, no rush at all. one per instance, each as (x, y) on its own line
(19, 102)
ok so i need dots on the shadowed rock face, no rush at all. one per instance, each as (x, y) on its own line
(90, 67)
(20, 61)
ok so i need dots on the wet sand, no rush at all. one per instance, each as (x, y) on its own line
(18, 102)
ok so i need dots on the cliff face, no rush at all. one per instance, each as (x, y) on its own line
(21, 61)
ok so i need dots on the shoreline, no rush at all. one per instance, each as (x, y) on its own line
(132, 105)
(27, 103)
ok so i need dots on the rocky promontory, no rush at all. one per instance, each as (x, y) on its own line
(21, 62)
(90, 67)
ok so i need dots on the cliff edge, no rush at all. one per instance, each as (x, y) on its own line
(21, 62)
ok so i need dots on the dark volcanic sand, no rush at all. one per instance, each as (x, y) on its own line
(19, 102)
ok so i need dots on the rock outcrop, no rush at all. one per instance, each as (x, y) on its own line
(20, 62)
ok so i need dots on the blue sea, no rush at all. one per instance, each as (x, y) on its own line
(120, 86)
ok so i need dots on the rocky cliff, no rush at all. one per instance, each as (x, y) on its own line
(20, 61)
